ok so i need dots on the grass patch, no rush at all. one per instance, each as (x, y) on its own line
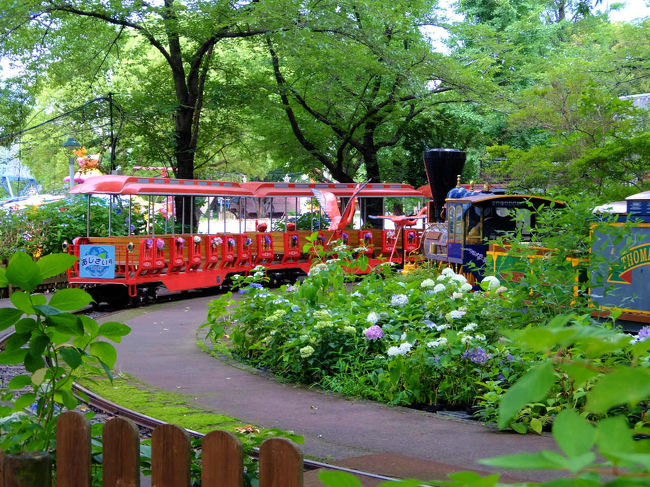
(134, 394)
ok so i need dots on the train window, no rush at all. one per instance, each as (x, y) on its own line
(459, 224)
(451, 218)
(474, 224)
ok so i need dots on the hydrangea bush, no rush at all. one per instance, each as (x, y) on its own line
(426, 340)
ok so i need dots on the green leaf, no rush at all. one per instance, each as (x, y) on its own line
(523, 461)
(22, 301)
(105, 352)
(536, 425)
(614, 437)
(70, 299)
(26, 325)
(71, 356)
(531, 387)
(114, 330)
(16, 341)
(54, 264)
(23, 272)
(8, 317)
(24, 401)
(66, 323)
(47, 310)
(625, 385)
(20, 381)
(39, 376)
(579, 371)
(33, 362)
(38, 344)
(574, 434)
(3, 277)
(473, 479)
(68, 399)
(338, 479)
(13, 357)
(90, 326)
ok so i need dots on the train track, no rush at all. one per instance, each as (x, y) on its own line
(143, 421)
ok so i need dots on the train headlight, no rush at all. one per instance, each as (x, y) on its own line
(64, 245)
(130, 246)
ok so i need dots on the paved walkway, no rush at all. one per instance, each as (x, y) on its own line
(162, 351)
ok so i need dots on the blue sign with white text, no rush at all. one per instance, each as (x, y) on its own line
(97, 261)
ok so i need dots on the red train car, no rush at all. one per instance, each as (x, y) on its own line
(256, 226)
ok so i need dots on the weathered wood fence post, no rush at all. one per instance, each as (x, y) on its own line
(280, 462)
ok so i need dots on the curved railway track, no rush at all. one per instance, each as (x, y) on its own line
(143, 421)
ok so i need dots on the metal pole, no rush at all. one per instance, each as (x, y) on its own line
(192, 215)
(71, 171)
(209, 212)
(110, 103)
(110, 214)
(88, 218)
(223, 215)
(153, 216)
(130, 212)
(183, 214)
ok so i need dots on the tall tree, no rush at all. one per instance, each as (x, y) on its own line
(381, 74)
(184, 34)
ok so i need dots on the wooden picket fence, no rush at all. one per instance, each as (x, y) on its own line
(280, 462)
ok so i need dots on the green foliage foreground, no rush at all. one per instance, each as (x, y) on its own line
(54, 345)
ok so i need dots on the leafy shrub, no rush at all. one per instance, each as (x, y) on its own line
(54, 345)
(41, 230)
(411, 341)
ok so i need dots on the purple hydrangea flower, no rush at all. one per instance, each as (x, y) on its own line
(374, 332)
(476, 355)
(644, 333)
(256, 284)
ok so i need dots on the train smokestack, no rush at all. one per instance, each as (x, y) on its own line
(442, 167)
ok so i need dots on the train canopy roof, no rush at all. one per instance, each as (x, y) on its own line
(498, 199)
(376, 190)
(143, 186)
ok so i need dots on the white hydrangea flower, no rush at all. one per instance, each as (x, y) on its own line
(448, 271)
(317, 268)
(480, 337)
(306, 351)
(441, 277)
(340, 248)
(501, 289)
(392, 351)
(403, 337)
(373, 317)
(467, 287)
(459, 278)
(399, 300)
(456, 295)
(428, 283)
(455, 314)
(465, 339)
(438, 288)
(492, 282)
(442, 327)
(321, 314)
(405, 348)
(356, 294)
(349, 329)
(438, 342)
(470, 327)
